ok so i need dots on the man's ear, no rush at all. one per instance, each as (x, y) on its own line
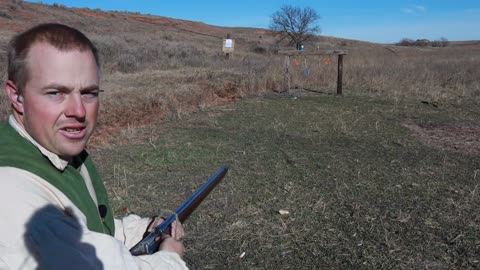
(15, 99)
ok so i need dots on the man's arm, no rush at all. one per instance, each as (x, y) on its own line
(47, 223)
(130, 229)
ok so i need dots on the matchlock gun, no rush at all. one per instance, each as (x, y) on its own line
(151, 242)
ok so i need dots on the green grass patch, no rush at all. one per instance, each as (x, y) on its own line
(363, 191)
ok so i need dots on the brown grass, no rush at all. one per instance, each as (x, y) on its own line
(448, 137)
(155, 67)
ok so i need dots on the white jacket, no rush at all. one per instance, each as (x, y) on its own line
(37, 230)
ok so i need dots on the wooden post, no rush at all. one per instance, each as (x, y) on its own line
(340, 75)
(286, 77)
(228, 46)
(227, 55)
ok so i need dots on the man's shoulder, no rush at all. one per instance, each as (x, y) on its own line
(9, 138)
(19, 186)
(19, 156)
(14, 148)
(6, 130)
(22, 178)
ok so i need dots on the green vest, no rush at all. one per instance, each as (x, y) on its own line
(18, 152)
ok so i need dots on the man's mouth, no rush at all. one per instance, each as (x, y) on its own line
(73, 130)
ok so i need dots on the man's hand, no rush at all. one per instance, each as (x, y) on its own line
(172, 245)
(176, 228)
(171, 241)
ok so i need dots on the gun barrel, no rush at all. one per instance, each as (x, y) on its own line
(189, 206)
(150, 244)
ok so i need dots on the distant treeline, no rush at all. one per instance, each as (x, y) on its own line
(442, 42)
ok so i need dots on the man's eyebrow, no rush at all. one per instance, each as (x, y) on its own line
(92, 87)
(57, 87)
(61, 87)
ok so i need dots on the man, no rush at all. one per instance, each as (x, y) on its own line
(54, 210)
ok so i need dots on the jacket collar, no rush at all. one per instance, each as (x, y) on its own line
(59, 163)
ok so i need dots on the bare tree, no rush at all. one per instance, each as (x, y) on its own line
(296, 24)
(444, 41)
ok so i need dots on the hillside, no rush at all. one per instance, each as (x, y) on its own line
(18, 15)
(156, 67)
(176, 65)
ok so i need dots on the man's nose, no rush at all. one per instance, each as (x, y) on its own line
(75, 107)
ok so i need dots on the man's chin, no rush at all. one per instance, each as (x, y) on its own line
(69, 151)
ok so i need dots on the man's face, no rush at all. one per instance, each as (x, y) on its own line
(60, 99)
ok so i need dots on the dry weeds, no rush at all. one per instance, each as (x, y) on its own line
(145, 57)
(453, 138)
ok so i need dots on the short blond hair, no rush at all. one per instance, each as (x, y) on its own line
(61, 37)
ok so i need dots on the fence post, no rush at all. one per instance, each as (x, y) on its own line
(286, 77)
(340, 75)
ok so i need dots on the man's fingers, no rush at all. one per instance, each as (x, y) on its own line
(155, 222)
(173, 230)
(177, 230)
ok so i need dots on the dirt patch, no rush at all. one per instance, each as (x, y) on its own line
(453, 138)
(92, 13)
(154, 20)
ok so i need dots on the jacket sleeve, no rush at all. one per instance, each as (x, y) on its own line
(42, 228)
(130, 229)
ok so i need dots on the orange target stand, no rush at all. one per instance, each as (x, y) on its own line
(290, 54)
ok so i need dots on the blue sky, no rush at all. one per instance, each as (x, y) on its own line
(382, 21)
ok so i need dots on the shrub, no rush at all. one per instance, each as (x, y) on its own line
(5, 15)
(406, 42)
(422, 42)
(127, 63)
(260, 49)
(442, 42)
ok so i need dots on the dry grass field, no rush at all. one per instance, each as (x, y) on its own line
(368, 183)
(169, 67)
(385, 177)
